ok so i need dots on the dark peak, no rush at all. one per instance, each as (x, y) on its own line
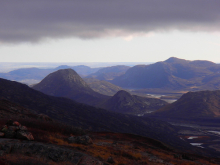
(174, 59)
(69, 75)
(66, 77)
(122, 93)
(65, 72)
(62, 73)
(122, 98)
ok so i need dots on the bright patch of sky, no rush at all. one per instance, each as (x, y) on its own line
(151, 47)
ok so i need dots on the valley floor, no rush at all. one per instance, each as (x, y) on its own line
(202, 135)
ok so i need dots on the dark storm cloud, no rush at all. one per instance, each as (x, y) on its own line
(34, 20)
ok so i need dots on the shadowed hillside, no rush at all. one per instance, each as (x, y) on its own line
(124, 102)
(193, 105)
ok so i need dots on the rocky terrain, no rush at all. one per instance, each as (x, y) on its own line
(13, 129)
(52, 145)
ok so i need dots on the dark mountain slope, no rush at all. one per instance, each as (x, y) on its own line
(9, 110)
(124, 102)
(67, 83)
(193, 105)
(88, 117)
(173, 73)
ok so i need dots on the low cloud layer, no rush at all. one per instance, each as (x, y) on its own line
(33, 21)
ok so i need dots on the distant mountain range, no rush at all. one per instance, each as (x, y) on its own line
(174, 73)
(34, 75)
(124, 102)
(192, 106)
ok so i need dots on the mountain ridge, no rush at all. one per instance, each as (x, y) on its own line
(173, 73)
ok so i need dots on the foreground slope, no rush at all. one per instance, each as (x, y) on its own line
(51, 146)
(124, 102)
(67, 83)
(88, 117)
(193, 105)
(173, 73)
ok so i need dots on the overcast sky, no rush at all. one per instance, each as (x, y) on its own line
(109, 30)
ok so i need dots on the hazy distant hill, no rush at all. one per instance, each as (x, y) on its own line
(34, 75)
(87, 117)
(27, 74)
(173, 73)
(124, 102)
(102, 87)
(67, 83)
(109, 73)
(193, 105)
